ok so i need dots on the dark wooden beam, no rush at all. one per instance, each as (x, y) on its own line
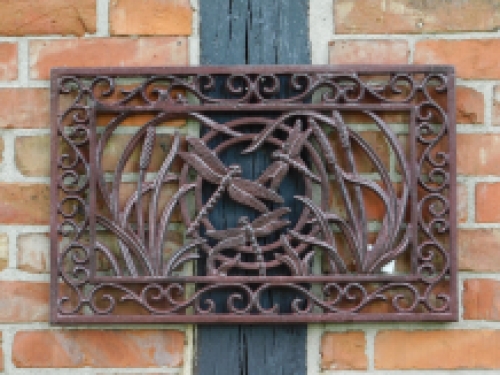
(253, 32)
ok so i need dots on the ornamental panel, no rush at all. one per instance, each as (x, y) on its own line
(253, 194)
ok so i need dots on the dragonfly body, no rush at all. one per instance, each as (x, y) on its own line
(246, 234)
(288, 156)
(227, 179)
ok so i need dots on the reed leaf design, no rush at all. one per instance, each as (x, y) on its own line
(368, 258)
(143, 254)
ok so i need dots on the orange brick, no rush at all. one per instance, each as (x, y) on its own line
(469, 106)
(24, 204)
(478, 154)
(163, 17)
(117, 143)
(473, 58)
(23, 302)
(481, 299)
(98, 348)
(407, 16)
(64, 17)
(8, 61)
(452, 349)
(32, 155)
(478, 250)
(33, 252)
(373, 204)
(486, 194)
(157, 51)
(343, 351)
(24, 108)
(369, 52)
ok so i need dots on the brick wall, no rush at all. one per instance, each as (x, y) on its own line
(35, 35)
(463, 33)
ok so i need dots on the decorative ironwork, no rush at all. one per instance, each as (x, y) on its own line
(337, 187)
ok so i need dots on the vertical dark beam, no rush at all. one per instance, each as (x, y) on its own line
(253, 32)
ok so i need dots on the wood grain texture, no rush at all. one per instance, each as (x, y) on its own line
(252, 32)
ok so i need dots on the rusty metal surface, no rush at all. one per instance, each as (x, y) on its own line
(373, 146)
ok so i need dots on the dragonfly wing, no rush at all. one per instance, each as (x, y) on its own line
(257, 190)
(278, 178)
(269, 172)
(243, 197)
(207, 155)
(260, 138)
(230, 243)
(225, 233)
(270, 227)
(273, 215)
(201, 167)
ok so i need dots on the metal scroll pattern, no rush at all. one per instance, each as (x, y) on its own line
(332, 259)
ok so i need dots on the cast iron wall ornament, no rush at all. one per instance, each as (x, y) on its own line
(367, 235)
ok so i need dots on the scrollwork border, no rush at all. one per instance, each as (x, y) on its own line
(94, 87)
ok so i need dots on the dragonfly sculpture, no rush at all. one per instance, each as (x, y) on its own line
(212, 169)
(246, 235)
(288, 156)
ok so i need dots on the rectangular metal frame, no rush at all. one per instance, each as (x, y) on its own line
(306, 100)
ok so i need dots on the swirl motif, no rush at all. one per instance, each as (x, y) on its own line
(140, 274)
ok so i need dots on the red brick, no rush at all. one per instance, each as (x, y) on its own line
(32, 155)
(157, 51)
(343, 351)
(24, 108)
(442, 349)
(478, 154)
(478, 250)
(172, 17)
(65, 17)
(369, 52)
(473, 58)
(33, 252)
(23, 302)
(98, 348)
(486, 194)
(24, 204)
(8, 61)
(409, 16)
(481, 299)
